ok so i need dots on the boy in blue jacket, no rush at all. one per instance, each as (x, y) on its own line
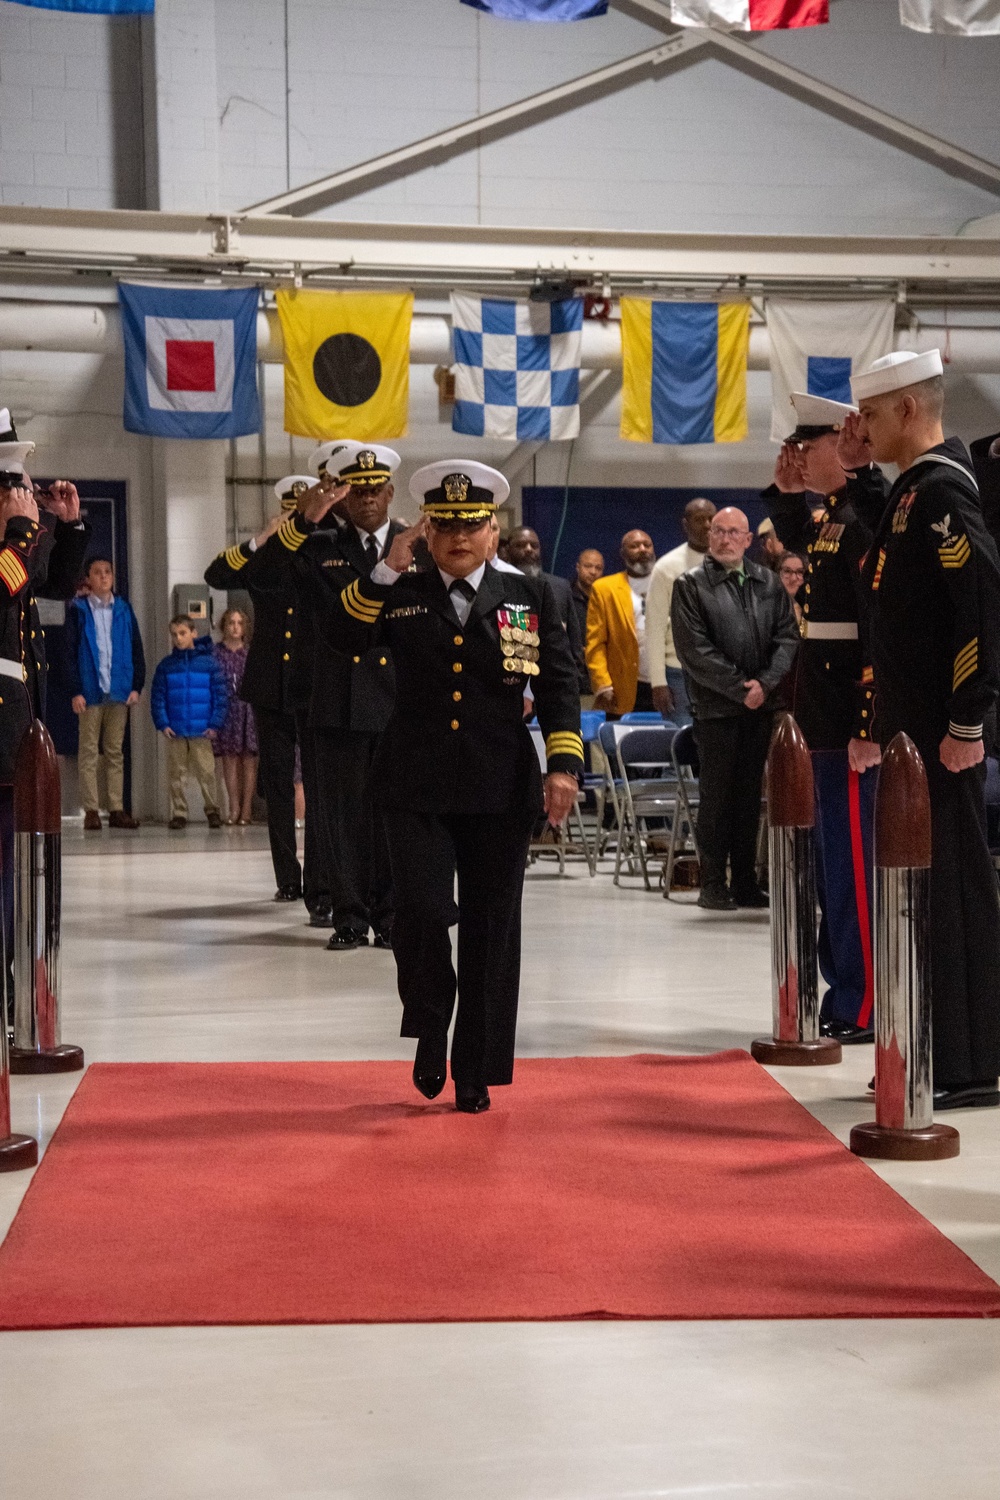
(188, 701)
(106, 672)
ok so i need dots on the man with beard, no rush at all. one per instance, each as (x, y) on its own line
(524, 552)
(665, 673)
(617, 658)
(736, 637)
(931, 585)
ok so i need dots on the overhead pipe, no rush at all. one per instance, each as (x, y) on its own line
(80, 328)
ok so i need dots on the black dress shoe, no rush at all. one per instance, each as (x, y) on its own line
(472, 1098)
(383, 939)
(716, 898)
(430, 1066)
(346, 938)
(753, 900)
(287, 893)
(983, 1095)
(847, 1033)
(321, 919)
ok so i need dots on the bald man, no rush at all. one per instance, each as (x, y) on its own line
(617, 658)
(736, 637)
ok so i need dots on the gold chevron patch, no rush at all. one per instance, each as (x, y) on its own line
(955, 552)
(12, 571)
(290, 536)
(358, 607)
(966, 662)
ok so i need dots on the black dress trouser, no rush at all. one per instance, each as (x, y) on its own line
(965, 929)
(488, 852)
(276, 773)
(733, 753)
(354, 850)
(315, 870)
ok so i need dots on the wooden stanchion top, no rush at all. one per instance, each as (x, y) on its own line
(37, 793)
(902, 809)
(789, 778)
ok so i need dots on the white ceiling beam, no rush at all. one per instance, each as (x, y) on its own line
(908, 137)
(417, 154)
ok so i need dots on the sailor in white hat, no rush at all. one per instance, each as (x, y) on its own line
(831, 699)
(458, 777)
(932, 589)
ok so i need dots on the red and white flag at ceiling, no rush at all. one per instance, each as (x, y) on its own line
(750, 15)
(952, 17)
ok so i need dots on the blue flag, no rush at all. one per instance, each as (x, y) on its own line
(96, 7)
(190, 361)
(541, 10)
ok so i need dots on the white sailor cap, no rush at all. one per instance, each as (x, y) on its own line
(12, 452)
(289, 489)
(817, 415)
(459, 489)
(894, 372)
(365, 465)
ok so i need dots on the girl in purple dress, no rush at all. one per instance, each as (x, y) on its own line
(236, 742)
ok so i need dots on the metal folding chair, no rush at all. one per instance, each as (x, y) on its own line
(561, 845)
(684, 828)
(648, 794)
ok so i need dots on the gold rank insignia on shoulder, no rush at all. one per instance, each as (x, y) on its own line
(901, 515)
(406, 612)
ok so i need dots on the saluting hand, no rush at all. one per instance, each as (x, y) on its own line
(788, 471)
(62, 501)
(315, 503)
(20, 501)
(560, 794)
(400, 555)
(853, 451)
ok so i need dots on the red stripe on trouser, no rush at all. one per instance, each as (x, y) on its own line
(861, 893)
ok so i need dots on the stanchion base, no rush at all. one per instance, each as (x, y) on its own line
(818, 1054)
(18, 1152)
(53, 1060)
(934, 1143)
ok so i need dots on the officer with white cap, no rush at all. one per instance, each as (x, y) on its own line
(831, 699)
(457, 774)
(931, 584)
(337, 533)
(267, 687)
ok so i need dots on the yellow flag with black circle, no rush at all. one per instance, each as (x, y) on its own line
(347, 363)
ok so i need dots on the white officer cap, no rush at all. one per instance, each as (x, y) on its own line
(12, 452)
(289, 489)
(817, 415)
(894, 372)
(459, 489)
(367, 465)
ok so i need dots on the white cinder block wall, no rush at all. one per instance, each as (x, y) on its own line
(213, 104)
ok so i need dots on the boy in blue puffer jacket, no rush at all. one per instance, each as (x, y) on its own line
(188, 701)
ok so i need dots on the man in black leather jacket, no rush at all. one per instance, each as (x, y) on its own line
(736, 637)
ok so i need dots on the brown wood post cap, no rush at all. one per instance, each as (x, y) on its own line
(902, 809)
(37, 794)
(789, 777)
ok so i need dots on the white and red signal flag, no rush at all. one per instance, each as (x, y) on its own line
(750, 15)
(190, 361)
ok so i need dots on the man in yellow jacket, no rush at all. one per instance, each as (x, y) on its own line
(617, 659)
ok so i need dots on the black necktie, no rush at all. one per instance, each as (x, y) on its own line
(464, 588)
(371, 551)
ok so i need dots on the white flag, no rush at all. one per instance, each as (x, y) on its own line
(952, 17)
(817, 346)
(750, 15)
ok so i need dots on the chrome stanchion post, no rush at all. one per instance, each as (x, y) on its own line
(16, 1151)
(903, 1128)
(37, 909)
(791, 817)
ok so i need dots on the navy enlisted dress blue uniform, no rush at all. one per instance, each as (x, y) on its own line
(345, 697)
(457, 777)
(831, 699)
(268, 686)
(932, 590)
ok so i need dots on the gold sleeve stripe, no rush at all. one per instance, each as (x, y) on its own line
(12, 571)
(360, 608)
(235, 558)
(966, 663)
(564, 742)
(956, 555)
(290, 536)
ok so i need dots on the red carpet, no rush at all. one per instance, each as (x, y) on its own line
(640, 1187)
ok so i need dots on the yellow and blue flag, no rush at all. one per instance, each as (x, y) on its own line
(684, 371)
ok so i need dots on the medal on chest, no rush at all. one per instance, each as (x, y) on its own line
(901, 515)
(519, 639)
(829, 537)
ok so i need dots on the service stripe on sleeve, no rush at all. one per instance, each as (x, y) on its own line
(966, 663)
(564, 742)
(290, 536)
(12, 571)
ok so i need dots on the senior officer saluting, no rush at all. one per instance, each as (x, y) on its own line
(337, 536)
(268, 687)
(456, 773)
(932, 589)
(831, 701)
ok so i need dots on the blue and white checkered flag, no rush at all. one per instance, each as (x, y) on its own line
(517, 368)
